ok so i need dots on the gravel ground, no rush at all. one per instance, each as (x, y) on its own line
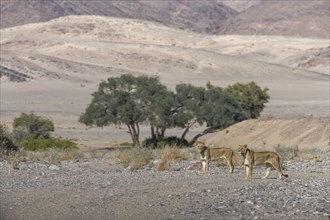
(99, 189)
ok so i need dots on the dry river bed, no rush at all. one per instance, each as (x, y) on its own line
(99, 189)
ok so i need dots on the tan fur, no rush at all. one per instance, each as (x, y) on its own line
(211, 154)
(270, 159)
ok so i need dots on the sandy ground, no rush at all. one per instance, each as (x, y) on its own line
(98, 189)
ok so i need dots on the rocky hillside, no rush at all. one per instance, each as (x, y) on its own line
(290, 18)
(201, 16)
(253, 17)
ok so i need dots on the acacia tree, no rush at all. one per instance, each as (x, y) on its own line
(210, 106)
(115, 103)
(157, 103)
(218, 108)
(189, 100)
(131, 101)
(33, 125)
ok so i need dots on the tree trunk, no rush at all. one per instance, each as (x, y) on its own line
(187, 130)
(153, 135)
(134, 132)
(206, 131)
(163, 133)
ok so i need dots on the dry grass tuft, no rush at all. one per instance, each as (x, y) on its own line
(51, 156)
(168, 155)
(135, 157)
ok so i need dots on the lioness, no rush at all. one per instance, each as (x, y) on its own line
(208, 154)
(270, 159)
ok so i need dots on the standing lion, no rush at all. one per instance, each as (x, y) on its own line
(270, 159)
(211, 154)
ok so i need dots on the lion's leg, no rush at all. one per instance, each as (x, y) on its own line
(278, 169)
(280, 174)
(267, 172)
(249, 170)
(230, 164)
(204, 166)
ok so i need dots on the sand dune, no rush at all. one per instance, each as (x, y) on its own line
(304, 133)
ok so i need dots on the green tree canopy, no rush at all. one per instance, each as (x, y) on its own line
(213, 107)
(131, 101)
(251, 97)
(34, 125)
(140, 100)
(115, 103)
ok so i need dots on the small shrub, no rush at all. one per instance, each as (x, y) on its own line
(287, 152)
(168, 155)
(317, 154)
(33, 144)
(71, 154)
(163, 142)
(34, 125)
(6, 144)
(135, 157)
(96, 154)
(53, 155)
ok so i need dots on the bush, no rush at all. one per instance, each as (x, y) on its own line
(32, 125)
(135, 157)
(167, 141)
(168, 155)
(6, 144)
(287, 153)
(32, 144)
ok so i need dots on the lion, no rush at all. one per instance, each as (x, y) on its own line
(211, 154)
(270, 159)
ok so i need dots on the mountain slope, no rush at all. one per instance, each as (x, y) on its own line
(86, 49)
(206, 15)
(103, 43)
(303, 18)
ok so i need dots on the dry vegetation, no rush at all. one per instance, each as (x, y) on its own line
(136, 158)
(168, 155)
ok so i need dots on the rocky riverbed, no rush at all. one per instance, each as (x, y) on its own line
(100, 189)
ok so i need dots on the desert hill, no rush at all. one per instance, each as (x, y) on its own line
(239, 5)
(289, 18)
(304, 133)
(254, 17)
(201, 16)
(63, 60)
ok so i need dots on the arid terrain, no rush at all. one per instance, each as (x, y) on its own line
(52, 67)
(62, 61)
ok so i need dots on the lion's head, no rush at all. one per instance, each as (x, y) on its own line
(242, 149)
(200, 146)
